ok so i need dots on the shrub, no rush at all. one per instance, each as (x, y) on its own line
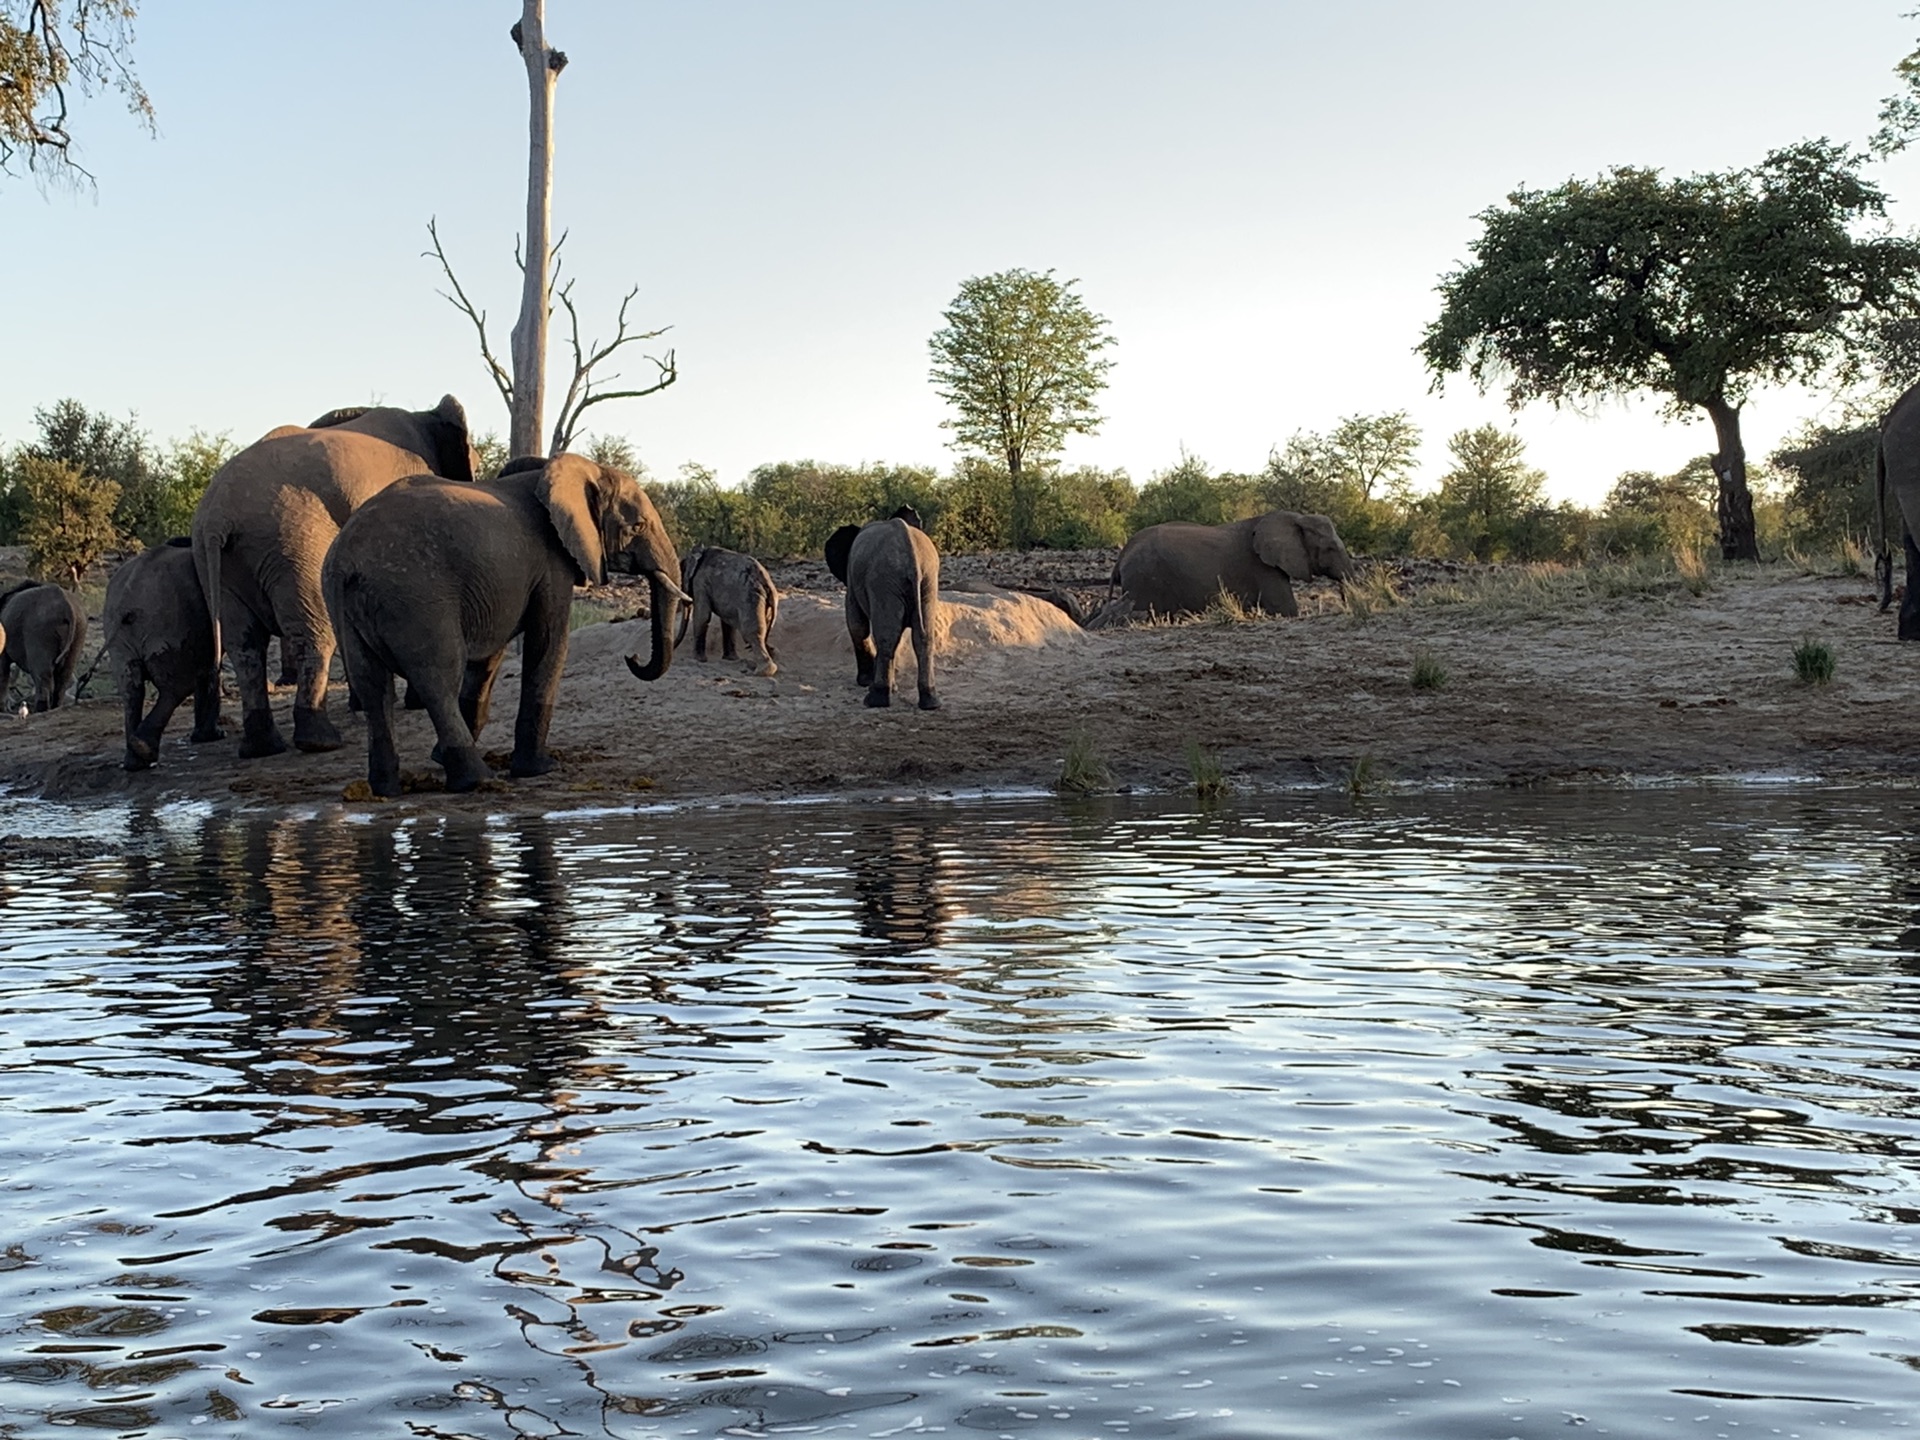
(1813, 662)
(1191, 492)
(1428, 672)
(67, 517)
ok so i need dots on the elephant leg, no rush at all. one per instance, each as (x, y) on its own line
(313, 729)
(166, 701)
(6, 679)
(702, 616)
(476, 692)
(375, 684)
(1910, 600)
(923, 648)
(543, 656)
(289, 671)
(457, 753)
(757, 642)
(861, 633)
(247, 636)
(887, 630)
(206, 710)
(729, 640)
(133, 698)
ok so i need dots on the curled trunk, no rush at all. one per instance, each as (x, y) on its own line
(666, 604)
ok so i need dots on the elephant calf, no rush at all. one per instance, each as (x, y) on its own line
(45, 628)
(892, 575)
(737, 590)
(159, 633)
(1178, 569)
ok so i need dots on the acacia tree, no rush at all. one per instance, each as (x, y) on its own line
(524, 387)
(1696, 288)
(48, 53)
(1019, 361)
(1488, 489)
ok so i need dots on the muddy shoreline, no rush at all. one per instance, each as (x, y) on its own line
(1545, 684)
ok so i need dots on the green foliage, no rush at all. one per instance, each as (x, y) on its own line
(1019, 361)
(618, 453)
(67, 517)
(158, 490)
(47, 51)
(1697, 288)
(1831, 491)
(1428, 672)
(1083, 771)
(1084, 509)
(1203, 766)
(1191, 492)
(1813, 662)
(492, 455)
(1359, 475)
(1648, 514)
(1489, 505)
(187, 465)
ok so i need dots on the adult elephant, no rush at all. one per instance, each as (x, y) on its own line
(1179, 569)
(892, 574)
(43, 629)
(1897, 468)
(264, 526)
(430, 580)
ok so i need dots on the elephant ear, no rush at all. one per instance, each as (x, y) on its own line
(839, 547)
(1279, 542)
(910, 515)
(573, 489)
(452, 449)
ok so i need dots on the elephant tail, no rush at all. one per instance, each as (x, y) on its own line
(1883, 559)
(208, 543)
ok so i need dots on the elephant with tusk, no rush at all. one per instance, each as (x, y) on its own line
(1179, 569)
(432, 578)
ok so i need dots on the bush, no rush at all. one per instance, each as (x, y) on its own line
(1191, 492)
(67, 517)
(1830, 491)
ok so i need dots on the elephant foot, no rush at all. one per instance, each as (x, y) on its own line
(384, 781)
(314, 733)
(929, 700)
(201, 737)
(260, 737)
(465, 769)
(879, 698)
(525, 767)
(139, 757)
(768, 670)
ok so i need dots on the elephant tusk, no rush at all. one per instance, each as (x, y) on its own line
(661, 578)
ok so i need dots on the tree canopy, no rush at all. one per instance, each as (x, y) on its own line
(50, 52)
(1696, 288)
(1019, 360)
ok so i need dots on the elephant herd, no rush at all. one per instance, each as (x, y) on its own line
(368, 531)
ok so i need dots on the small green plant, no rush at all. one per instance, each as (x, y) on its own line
(1084, 771)
(1364, 777)
(1209, 780)
(1813, 662)
(1428, 672)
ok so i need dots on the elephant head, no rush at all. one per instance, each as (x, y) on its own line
(1301, 545)
(438, 436)
(606, 522)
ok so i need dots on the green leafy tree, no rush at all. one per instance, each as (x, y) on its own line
(1375, 453)
(187, 466)
(1359, 475)
(1191, 492)
(67, 517)
(1486, 494)
(1696, 288)
(1019, 359)
(1831, 493)
(492, 454)
(96, 444)
(50, 52)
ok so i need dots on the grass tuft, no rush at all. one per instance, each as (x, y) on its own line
(1209, 780)
(1813, 662)
(1691, 566)
(1084, 771)
(1365, 776)
(1370, 592)
(1428, 672)
(1225, 609)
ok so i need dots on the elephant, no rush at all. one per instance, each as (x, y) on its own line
(892, 574)
(44, 628)
(263, 528)
(158, 632)
(738, 590)
(1897, 467)
(431, 578)
(1177, 569)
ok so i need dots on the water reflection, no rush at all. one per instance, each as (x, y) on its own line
(1007, 1117)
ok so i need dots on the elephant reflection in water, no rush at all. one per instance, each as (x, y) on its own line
(899, 899)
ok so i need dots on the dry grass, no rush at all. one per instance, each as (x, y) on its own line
(1371, 591)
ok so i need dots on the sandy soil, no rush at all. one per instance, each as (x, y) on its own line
(1541, 690)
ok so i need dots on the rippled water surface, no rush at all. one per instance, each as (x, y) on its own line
(1450, 1117)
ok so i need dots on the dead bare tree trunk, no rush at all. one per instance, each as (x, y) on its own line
(530, 330)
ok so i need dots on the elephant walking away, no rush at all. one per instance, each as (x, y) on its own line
(44, 628)
(431, 578)
(736, 590)
(158, 633)
(1179, 569)
(262, 530)
(1897, 469)
(892, 574)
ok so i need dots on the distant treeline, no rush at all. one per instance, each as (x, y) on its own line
(87, 483)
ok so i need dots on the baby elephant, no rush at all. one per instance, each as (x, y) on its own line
(737, 589)
(159, 634)
(45, 628)
(892, 574)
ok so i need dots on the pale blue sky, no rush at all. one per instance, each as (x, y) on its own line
(1259, 196)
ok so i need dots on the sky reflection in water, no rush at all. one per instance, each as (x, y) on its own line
(1461, 1116)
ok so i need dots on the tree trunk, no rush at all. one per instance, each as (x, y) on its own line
(1737, 539)
(1021, 520)
(530, 330)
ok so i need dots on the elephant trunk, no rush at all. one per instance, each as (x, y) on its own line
(666, 605)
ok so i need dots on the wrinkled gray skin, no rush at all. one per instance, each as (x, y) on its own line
(892, 574)
(44, 628)
(431, 578)
(737, 590)
(1898, 472)
(263, 528)
(158, 633)
(1179, 569)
